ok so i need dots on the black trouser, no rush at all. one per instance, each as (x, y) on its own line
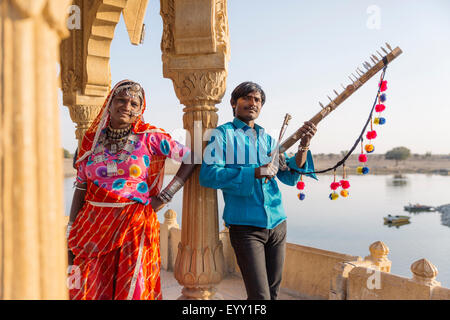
(260, 255)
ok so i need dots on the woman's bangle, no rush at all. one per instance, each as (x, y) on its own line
(167, 194)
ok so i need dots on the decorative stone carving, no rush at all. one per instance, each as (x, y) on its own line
(221, 26)
(83, 116)
(70, 83)
(425, 272)
(170, 218)
(378, 256)
(199, 87)
(167, 12)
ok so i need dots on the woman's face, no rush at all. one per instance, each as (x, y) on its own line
(122, 109)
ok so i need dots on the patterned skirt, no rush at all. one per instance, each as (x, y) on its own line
(116, 248)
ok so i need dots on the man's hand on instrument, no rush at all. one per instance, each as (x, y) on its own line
(282, 162)
(308, 131)
(267, 171)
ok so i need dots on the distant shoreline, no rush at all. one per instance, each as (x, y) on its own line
(434, 164)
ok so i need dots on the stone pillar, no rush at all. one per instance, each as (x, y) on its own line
(378, 256)
(424, 272)
(33, 256)
(170, 221)
(377, 260)
(195, 49)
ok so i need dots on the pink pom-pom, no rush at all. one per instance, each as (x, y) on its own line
(380, 107)
(383, 86)
(371, 134)
(334, 185)
(300, 185)
(345, 184)
(362, 158)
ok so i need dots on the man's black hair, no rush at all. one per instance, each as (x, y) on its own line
(243, 90)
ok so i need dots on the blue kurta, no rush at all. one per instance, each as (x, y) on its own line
(229, 161)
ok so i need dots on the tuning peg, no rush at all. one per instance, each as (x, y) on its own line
(321, 105)
(375, 57)
(330, 98)
(381, 56)
(388, 46)
(373, 60)
(342, 86)
(336, 92)
(362, 72)
(355, 76)
(365, 65)
(384, 50)
(351, 79)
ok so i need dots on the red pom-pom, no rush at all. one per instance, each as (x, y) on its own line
(300, 185)
(371, 134)
(334, 185)
(380, 107)
(362, 158)
(383, 85)
(345, 184)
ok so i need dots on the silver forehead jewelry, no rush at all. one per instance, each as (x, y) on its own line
(133, 90)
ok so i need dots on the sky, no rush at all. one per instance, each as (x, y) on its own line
(299, 51)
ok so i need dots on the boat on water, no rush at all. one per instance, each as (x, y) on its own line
(396, 224)
(418, 207)
(396, 219)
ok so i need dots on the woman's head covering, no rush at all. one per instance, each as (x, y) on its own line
(92, 135)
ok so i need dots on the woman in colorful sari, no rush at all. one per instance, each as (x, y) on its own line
(113, 231)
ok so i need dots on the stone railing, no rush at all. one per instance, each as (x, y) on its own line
(312, 273)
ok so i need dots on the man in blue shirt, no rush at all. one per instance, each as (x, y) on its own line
(238, 161)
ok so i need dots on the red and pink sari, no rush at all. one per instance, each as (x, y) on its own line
(116, 248)
(116, 240)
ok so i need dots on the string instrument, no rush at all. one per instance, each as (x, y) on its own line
(357, 82)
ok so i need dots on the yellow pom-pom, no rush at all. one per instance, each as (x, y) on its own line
(369, 147)
(344, 193)
(359, 170)
(333, 196)
(376, 120)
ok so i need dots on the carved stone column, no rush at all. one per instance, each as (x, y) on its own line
(195, 50)
(33, 257)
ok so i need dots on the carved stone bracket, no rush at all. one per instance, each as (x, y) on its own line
(195, 87)
(83, 116)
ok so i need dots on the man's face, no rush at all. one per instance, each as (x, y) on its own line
(247, 108)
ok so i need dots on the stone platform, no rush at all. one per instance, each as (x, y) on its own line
(230, 288)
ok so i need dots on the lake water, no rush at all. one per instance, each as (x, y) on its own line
(350, 225)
